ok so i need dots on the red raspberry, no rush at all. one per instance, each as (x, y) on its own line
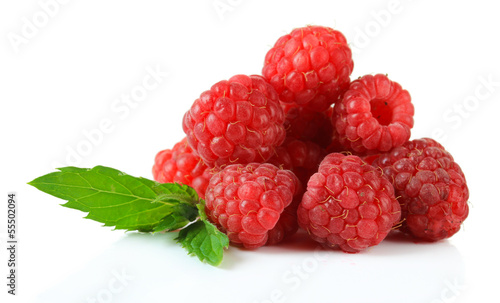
(432, 188)
(180, 164)
(306, 125)
(301, 157)
(309, 67)
(246, 201)
(348, 203)
(237, 121)
(374, 114)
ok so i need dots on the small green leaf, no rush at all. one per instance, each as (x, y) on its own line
(117, 199)
(182, 215)
(205, 241)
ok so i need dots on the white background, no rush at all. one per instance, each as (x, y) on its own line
(70, 70)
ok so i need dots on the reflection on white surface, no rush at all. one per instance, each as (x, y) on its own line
(153, 268)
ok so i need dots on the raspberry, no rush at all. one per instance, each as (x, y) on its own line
(432, 188)
(246, 202)
(309, 67)
(306, 125)
(349, 204)
(301, 157)
(374, 114)
(180, 164)
(237, 121)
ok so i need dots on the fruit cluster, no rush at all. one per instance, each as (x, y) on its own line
(304, 146)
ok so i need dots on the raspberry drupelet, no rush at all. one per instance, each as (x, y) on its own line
(348, 204)
(247, 201)
(431, 186)
(237, 121)
(309, 67)
(374, 115)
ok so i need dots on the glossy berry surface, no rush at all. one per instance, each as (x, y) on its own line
(247, 201)
(237, 121)
(432, 188)
(374, 115)
(348, 204)
(309, 67)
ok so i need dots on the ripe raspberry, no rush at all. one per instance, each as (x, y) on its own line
(374, 114)
(306, 125)
(237, 121)
(301, 157)
(180, 164)
(348, 203)
(246, 201)
(432, 188)
(309, 67)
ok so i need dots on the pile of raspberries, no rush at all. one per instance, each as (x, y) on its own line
(303, 146)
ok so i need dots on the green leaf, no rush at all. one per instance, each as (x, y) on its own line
(203, 239)
(182, 215)
(117, 199)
